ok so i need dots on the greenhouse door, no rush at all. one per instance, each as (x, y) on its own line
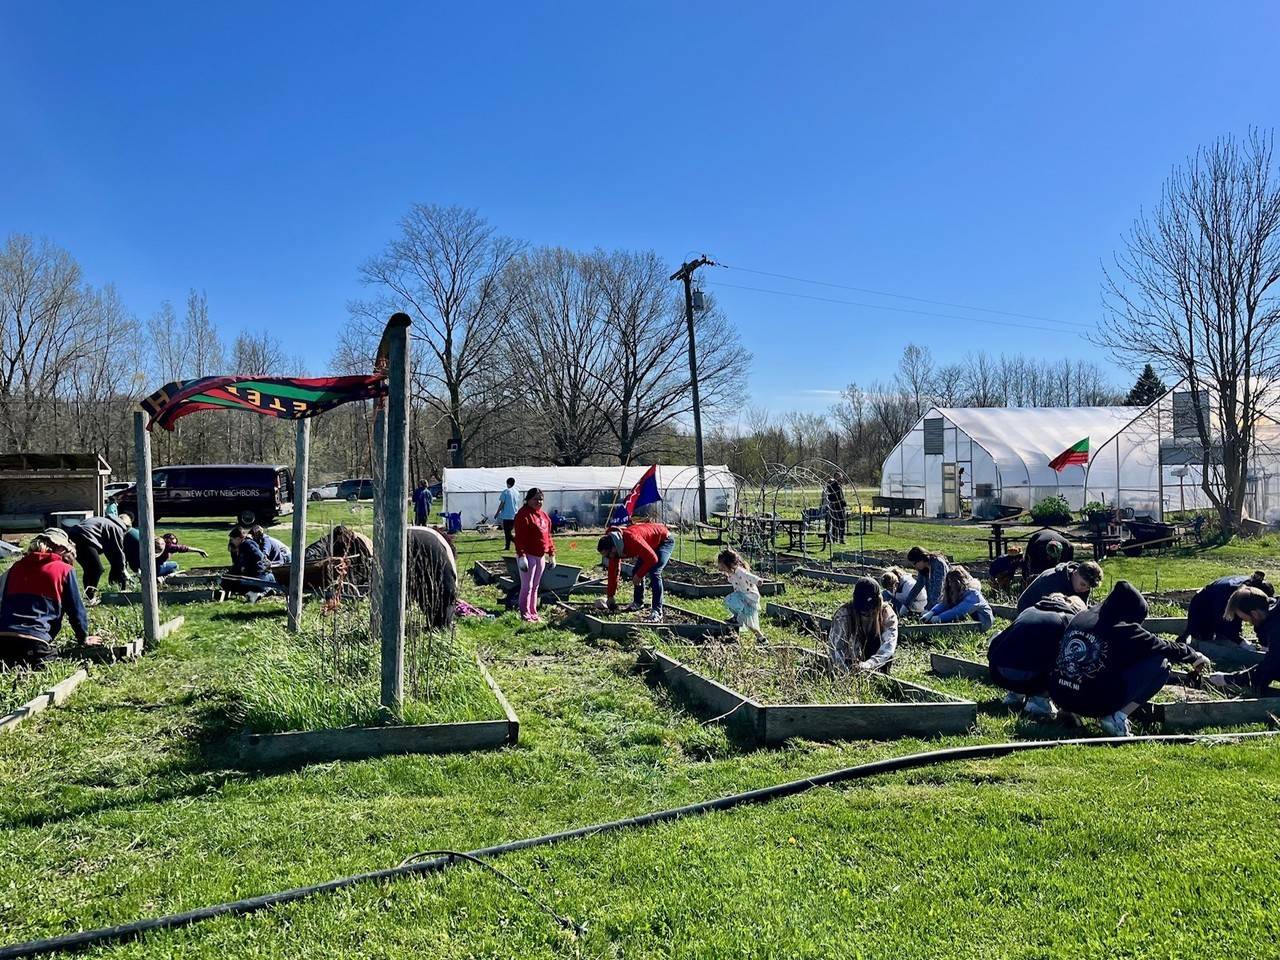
(950, 491)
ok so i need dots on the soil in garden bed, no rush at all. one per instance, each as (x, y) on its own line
(780, 674)
(1175, 693)
(694, 573)
(622, 615)
(497, 568)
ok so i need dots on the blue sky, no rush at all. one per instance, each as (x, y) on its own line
(981, 154)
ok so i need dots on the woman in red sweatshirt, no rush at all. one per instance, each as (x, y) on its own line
(535, 551)
(649, 545)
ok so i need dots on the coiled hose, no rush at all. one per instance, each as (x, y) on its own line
(131, 931)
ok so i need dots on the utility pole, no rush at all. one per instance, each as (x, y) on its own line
(685, 273)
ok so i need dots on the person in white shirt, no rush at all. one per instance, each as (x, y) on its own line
(506, 512)
(864, 632)
(898, 586)
(744, 602)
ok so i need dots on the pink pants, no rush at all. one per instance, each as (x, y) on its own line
(529, 581)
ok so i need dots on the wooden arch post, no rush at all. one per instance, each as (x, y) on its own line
(146, 523)
(392, 508)
(301, 467)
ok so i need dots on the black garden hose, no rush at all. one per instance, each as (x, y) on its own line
(131, 931)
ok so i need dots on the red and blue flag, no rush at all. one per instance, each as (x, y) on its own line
(642, 494)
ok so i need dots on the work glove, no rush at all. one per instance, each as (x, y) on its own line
(551, 561)
(1200, 663)
(865, 665)
(522, 562)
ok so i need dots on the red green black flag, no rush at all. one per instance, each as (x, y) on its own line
(1077, 453)
(289, 398)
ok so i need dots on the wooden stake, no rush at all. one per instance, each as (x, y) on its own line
(395, 492)
(301, 466)
(145, 521)
(379, 470)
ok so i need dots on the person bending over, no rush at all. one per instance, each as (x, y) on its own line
(962, 599)
(1108, 665)
(1069, 579)
(95, 538)
(864, 631)
(1252, 604)
(1207, 621)
(274, 550)
(1046, 548)
(931, 571)
(1021, 656)
(37, 593)
(648, 545)
(900, 591)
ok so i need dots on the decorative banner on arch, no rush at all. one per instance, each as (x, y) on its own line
(289, 398)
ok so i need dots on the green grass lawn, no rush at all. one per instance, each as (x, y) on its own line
(121, 805)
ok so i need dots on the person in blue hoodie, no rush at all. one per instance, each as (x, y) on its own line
(1108, 665)
(931, 570)
(250, 572)
(37, 593)
(962, 599)
(276, 552)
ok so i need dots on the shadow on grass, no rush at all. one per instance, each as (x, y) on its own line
(249, 612)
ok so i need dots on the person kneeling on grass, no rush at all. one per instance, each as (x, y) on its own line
(744, 602)
(276, 552)
(535, 551)
(864, 632)
(649, 546)
(961, 599)
(1068, 579)
(1252, 604)
(900, 591)
(1021, 656)
(251, 573)
(931, 572)
(36, 593)
(1207, 619)
(1108, 664)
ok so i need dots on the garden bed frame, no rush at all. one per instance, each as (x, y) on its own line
(53, 697)
(702, 627)
(906, 631)
(1172, 717)
(129, 598)
(131, 650)
(922, 712)
(360, 743)
(672, 583)
(834, 576)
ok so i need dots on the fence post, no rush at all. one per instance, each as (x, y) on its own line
(301, 467)
(378, 468)
(395, 491)
(146, 530)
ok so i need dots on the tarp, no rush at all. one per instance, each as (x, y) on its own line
(288, 398)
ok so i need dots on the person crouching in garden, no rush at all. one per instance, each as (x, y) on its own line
(1069, 579)
(1253, 604)
(744, 602)
(1021, 656)
(864, 632)
(931, 571)
(900, 591)
(649, 546)
(962, 599)
(535, 551)
(37, 593)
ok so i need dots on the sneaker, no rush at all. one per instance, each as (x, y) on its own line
(1117, 725)
(1040, 708)
(655, 616)
(252, 597)
(1013, 701)
(634, 607)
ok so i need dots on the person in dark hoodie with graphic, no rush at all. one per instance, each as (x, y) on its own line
(1068, 579)
(1108, 665)
(36, 594)
(1207, 621)
(1252, 604)
(1022, 655)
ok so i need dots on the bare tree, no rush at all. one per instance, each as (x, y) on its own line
(445, 270)
(1194, 291)
(915, 377)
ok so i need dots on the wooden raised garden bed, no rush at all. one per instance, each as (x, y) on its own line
(359, 743)
(906, 631)
(695, 581)
(849, 575)
(622, 623)
(129, 650)
(130, 598)
(485, 572)
(909, 710)
(54, 696)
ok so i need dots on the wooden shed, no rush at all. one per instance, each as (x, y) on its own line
(35, 486)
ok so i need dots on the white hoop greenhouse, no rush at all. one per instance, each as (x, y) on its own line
(1155, 463)
(971, 461)
(588, 493)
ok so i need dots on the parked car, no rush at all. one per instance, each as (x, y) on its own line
(328, 491)
(218, 489)
(111, 489)
(361, 489)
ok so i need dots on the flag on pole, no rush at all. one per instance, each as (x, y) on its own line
(642, 494)
(1077, 453)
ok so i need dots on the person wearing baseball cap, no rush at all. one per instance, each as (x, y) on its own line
(864, 632)
(36, 594)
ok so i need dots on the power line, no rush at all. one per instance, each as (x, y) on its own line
(900, 296)
(878, 306)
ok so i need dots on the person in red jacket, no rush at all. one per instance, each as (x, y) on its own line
(649, 546)
(36, 593)
(535, 551)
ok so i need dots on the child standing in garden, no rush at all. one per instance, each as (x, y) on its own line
(535, 551)
(744, 602)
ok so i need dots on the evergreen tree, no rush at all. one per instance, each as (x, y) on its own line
(1147, 390)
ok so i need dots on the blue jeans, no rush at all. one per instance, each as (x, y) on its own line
(167, 569)
(655, 575)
